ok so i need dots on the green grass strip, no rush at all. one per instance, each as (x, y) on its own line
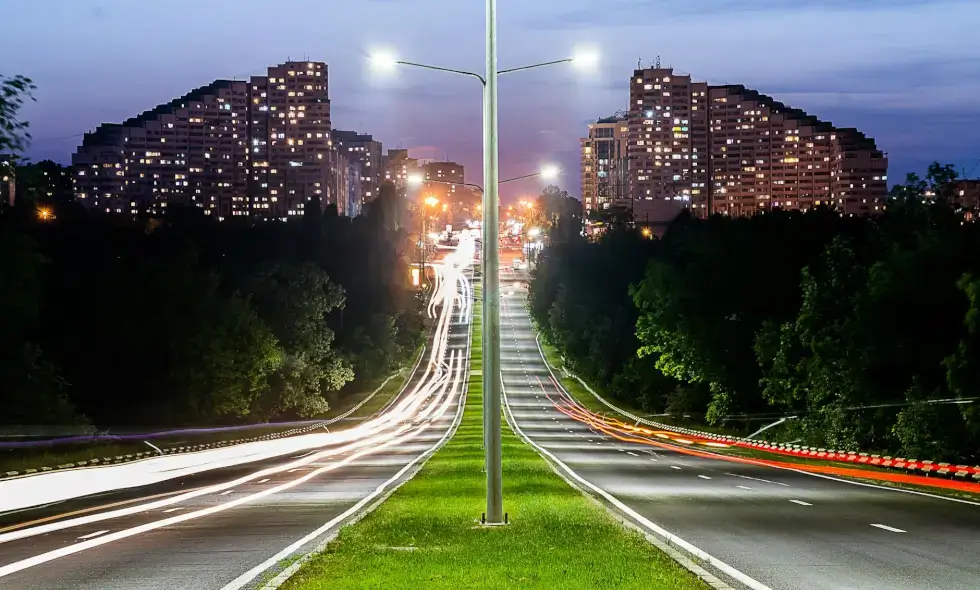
(427, 534)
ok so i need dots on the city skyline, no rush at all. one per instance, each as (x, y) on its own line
(914, 104)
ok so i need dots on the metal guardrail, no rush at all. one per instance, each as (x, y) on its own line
(962, 472)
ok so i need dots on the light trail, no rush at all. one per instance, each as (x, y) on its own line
(440, 383)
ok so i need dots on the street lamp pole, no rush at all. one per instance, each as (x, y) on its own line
(491, 288)
(491, 259)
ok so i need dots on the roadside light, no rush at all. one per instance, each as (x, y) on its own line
(646, 232)
(550, 172)
(534, 232)
(431, 201)
(415, 180)
(384, 62)
(586, 60)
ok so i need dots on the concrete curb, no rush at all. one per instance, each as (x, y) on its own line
(320, 547)
(685, 560)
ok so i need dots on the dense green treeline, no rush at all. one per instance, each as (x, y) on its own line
(184, 320)
(865, 329)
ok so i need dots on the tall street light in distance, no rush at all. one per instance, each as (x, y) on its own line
(491, 258)
(429, 202)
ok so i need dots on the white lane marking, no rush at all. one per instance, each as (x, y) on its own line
(675, 467)
(704, 477)
(93, 535)
(743, 487)
(304, 455)
(263, 480)
(173, 509)
(752, 583)
(632, 453)
(654, 460)
(878, 487)
(292, 470)
(778, 483)
(244, 579)
(801, 503)
(888, 528)
(225, 493)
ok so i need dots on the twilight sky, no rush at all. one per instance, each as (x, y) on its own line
(906, 72)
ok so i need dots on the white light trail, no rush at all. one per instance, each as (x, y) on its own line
(414, 412)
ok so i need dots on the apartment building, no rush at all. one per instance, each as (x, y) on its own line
(730, 150)
(605, 165)
(668, 130)
(399, 167)
(259, 148)
(368, 152)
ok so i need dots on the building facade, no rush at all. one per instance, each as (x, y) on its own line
(364, 149)
(259, 148)
(399, 167)
(730, 150)
(605, 165)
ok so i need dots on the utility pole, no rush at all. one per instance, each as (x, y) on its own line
(422, 245)
(491, 286)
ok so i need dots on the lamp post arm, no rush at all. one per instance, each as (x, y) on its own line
(441, 69)
(534, 66)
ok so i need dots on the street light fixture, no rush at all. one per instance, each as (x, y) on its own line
(547, 172)
(491, 259)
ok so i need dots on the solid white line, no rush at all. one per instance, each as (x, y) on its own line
(304, 455)
(887, 489)
(244, 579)
(888, 528)
(173, 509)
(704, 477)
(743, 487)
(778, 483)
(263, 480)
(752, 583)
(801, 503)
(675, 467)
(225, 493)
(93, 535)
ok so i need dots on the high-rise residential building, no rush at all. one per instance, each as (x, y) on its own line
(449, 175)
(399, 168)
(605, 165)
(733, 151)
(259, 148)
(368, 151)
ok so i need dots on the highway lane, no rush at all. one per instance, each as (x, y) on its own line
(228, 527)
(774, 528)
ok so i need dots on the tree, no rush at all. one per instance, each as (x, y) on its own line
(32, 391)
(294, 301)
(14, 135)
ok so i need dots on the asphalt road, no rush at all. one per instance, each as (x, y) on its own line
(232, 527)
(776, 528)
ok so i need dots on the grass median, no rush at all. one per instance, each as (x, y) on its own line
(427, 534)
